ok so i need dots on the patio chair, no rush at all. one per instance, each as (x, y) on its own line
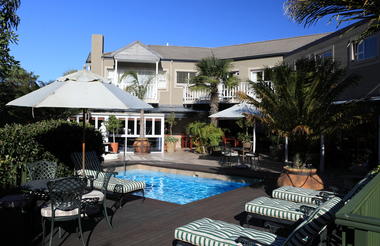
(65, 204)
(99, 197)
(228, 154)
(41, 170)
(310, 196)
(213, 232)
(278, 213)
(115, 185)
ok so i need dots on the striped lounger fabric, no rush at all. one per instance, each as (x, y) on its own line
(276, 208)
(115, 184)
(208, 232)
(295, 194)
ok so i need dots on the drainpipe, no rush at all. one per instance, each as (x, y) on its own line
(322, 155)
(286, 149)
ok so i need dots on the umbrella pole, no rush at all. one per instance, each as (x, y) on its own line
(254, 138)
(84, 141)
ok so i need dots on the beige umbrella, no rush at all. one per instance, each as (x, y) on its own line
(82, 90)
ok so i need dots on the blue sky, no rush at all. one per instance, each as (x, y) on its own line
(55, 35)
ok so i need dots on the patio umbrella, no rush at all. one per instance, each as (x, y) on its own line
(82, 90)
(238, 111)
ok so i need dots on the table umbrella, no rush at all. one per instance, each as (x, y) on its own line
(239, 111)
(82, 90)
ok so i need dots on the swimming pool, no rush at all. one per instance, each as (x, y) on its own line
(177, 188)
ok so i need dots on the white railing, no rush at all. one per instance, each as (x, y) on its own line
(225, 93)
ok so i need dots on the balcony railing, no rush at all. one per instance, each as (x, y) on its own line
(225, 94)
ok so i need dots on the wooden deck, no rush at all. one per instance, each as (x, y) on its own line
(152, 222)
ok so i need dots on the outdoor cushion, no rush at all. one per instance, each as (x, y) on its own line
(115, 184)
(94, 194)
(294, 194)
(276, 208)
(207, 232)
(46, 212)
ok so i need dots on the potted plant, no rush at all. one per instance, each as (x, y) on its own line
(170, 142)
(204, 136)
(299, 104)
(244, 137)
(113, 125)
(139, 88)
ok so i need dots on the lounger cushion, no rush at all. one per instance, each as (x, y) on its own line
(120, 185)
(295, 194)
(208, 232)
(276, 208)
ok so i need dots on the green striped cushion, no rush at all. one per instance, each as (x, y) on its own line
(276, 208)
(208, 232)
(312, 226)
(126, 185)
(294, 194)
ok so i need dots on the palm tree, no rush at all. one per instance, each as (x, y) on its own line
(211, 73)
(138, 88)
(299, 102)
(310, 11)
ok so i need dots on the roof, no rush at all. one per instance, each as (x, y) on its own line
(275, 47)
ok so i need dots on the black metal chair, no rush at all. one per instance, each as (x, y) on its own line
(65, 203)
(42, 170)
(99, 196)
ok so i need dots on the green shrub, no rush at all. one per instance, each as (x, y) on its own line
(52, 140)
(204, 135)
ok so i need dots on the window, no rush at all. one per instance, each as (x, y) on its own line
(184, 77)
(257, 75)
(327, 54)
(365, 49)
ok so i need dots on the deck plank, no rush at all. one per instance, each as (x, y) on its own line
(152, 222)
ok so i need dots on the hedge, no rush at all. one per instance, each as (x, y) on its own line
(52, 140)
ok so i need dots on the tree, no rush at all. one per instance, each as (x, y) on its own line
(298, 102)
(211, 73)
(204, 135)
(171, 122)
(136, 86)
(8, 22)
(139, 89)
(311, 11)
(18, 83)
(113, 124)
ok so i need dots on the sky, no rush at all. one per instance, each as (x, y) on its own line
(55, 35)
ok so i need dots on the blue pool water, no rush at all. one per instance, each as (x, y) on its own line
(176, 188)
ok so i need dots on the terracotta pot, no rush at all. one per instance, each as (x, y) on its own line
(114, 147)
(300, 177)
(246, 145)
(170, 147)
(141, 146)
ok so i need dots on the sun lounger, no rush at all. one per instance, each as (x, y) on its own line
(308, 196)
(94, 169)
(278, 213)
(205, 232)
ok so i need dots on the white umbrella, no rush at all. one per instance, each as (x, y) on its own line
(82, 89)
(237, 111)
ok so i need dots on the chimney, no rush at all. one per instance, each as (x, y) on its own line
(97, 49)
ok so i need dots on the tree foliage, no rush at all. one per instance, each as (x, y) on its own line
(204, 135)
(18, 83)
(8, 23)
(311, 11)
(299, 102)
(137, 86)
(211, 73)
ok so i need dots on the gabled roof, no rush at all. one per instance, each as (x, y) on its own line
(136, 52)
(276, 47)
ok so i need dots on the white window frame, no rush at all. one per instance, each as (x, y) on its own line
(185, 71)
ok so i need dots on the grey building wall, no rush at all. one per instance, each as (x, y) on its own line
(340, 43)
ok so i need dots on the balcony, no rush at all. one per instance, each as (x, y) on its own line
(225, 94)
